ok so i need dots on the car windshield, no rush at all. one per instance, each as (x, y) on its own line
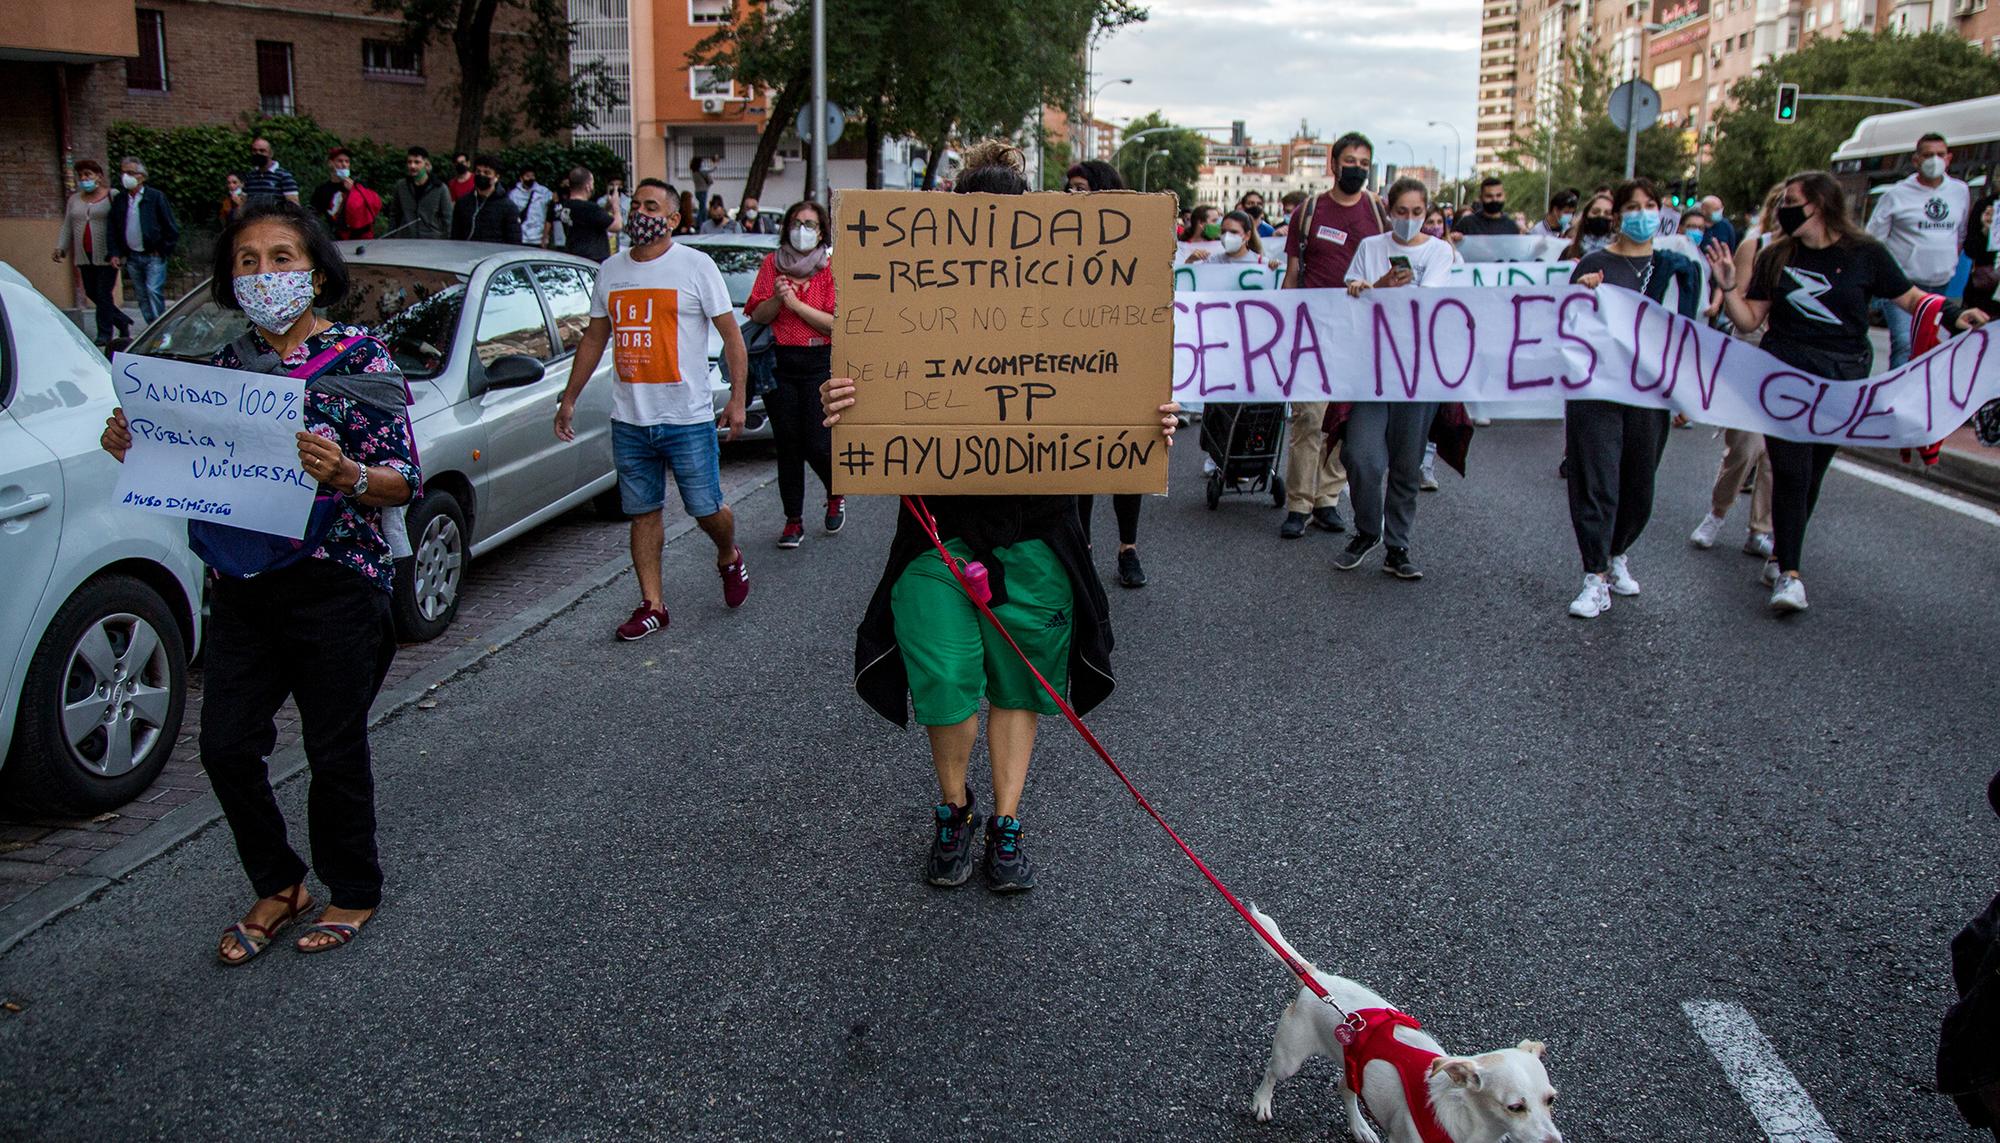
(738, 265)
(412, 309)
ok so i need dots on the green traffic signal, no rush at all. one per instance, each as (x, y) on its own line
(1788, 103)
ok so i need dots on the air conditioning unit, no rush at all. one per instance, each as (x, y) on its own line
(712, 104)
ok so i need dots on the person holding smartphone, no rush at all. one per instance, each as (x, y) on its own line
(1385, 439)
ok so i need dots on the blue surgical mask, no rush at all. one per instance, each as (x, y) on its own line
(1716, 214)
(1563, 224)
(1640, 225)
(1695, 235)
(86, 185)
(1407, 229)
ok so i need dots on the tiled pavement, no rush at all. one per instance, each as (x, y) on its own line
(557, 557)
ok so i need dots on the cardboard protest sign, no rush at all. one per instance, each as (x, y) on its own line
(214, 444)
(1568, 342)
(1003, 343)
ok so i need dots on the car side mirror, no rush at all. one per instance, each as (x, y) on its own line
(512, 372)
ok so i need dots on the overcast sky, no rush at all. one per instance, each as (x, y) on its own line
(1381, 67)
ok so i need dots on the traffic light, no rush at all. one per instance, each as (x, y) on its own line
(1788, 103)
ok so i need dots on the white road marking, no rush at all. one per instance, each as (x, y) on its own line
(1781, 1106)
(1921, 492)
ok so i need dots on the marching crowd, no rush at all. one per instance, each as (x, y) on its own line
(984, 600)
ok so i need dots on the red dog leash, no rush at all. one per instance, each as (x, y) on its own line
(971, 577)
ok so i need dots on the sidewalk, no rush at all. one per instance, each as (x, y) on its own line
(1964, 465)
(48, 865)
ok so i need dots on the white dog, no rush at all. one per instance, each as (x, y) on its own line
(1498, 1097)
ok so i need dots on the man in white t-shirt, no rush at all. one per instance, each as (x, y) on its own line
(654, 303)
(1922, 221)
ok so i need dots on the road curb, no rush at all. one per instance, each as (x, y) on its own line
(1966, 474)
(111, 867)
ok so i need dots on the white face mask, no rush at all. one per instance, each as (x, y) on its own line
(341, 172)
(1933, 167)
(131, 181)
(1231, 242)
(805, 238)
(1407, 229)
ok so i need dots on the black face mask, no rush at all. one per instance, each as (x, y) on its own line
(1790, 218)
(461, 168)
(1254, 211)
(1352, 179)
(1597, 226)
(1491, 207)
(483, 182)
(259, 161)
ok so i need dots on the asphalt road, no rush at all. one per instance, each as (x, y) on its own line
(671, 889)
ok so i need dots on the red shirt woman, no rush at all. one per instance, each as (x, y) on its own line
(794, 295)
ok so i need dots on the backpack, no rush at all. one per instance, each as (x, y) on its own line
(1301, 224)
(241, 553)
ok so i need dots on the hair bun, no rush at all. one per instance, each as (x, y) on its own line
(996, 153)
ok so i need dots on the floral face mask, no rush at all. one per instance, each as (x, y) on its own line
(274, 301)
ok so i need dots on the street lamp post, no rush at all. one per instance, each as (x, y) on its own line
(819, 101)
(1458, 157)
(1405, 145)
(1091, 112)
(1146, 171)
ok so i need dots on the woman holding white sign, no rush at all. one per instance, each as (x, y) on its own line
(1810, 290)
(305, 620)
(1386, 439)
(1613, 450)
(924, 645)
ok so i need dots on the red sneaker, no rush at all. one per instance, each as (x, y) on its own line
(793, 535)
(836, 513)
(735, 581)
(646, 620)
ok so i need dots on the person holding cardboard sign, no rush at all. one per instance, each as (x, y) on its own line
(925, 645)
(658, 299)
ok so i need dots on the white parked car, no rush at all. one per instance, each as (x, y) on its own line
(100, 605)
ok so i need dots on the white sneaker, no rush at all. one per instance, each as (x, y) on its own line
(1789, 595)
(1594, 600)
(1757, 544)
(1770, 576)
(1429, 482)
(1208, 466)
(1620, 577)
(1706, 531)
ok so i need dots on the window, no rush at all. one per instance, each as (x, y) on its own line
(511, 321)
(1667, 76)
(708, 11)
(567, 290)
(707, 83)
(274, 78)
(388, 58)
(1694, 66)
(149, 71)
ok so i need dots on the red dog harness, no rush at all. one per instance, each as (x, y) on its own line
(1377, 1041)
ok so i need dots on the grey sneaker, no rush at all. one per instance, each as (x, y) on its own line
(1356, 550)
(950, 861)
(1293, 527)
(1396, 562)
(1008, 869)
(1329, 519)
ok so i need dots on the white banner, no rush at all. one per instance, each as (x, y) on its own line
(1519, 343)
(213, 444)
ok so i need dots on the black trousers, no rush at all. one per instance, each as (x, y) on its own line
(1797, 470)
(1614, 450)
(98, 283)
(322, 634)
(1124, 504)
(797, 422)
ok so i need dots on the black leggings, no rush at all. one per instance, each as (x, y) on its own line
(1797, 469)
(98, 282)
(1613, 452)
(1125, 504)
(797, 422)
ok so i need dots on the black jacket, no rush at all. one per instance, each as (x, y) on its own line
(158, 231)
(429, 208)
(490, 219)
(986, 523)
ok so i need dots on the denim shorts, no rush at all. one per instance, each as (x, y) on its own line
(644, 453)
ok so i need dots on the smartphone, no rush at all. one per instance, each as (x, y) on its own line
(1399, 262)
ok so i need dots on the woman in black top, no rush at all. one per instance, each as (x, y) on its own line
(1098, 175)
(1613, 450)
(1810, 289)
(1981, 287)
(1033, 538)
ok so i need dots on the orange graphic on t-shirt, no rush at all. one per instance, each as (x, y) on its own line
(645, 336)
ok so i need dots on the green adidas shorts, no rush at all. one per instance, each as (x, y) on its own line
(954, 656)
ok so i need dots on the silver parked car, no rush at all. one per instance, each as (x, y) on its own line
(738, 256)
(485, 334)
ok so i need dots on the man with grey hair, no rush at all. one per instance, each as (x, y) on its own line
(1719, 229)
(143, 236)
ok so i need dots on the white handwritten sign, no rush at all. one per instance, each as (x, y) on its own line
(213, 444)
(1520, 343)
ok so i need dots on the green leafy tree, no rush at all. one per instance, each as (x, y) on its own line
(1577, 145)
(1752, 150)
(553, 97)
(1176, 170)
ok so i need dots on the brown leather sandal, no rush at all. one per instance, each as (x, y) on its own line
(253, 938)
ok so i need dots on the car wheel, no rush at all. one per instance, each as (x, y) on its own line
(102, 701)
(428, 582)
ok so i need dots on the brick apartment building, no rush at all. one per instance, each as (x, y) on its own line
(75, 67)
